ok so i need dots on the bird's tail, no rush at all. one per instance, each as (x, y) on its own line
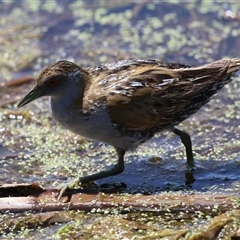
(234, 65)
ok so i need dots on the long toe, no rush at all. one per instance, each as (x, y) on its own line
(63, 190)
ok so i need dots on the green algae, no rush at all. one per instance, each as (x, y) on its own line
(103, 32)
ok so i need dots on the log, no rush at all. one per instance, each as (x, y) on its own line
(24, 197)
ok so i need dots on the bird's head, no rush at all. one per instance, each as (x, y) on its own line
(53, 81)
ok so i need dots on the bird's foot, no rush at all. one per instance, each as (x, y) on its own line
(189, 175)
(189, 179)
(64, 189)
(75, 183)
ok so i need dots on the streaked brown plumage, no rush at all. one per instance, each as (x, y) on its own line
(126, 102)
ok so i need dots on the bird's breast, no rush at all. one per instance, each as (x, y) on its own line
(96, 125)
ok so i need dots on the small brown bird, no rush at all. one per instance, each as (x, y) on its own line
(125, 103)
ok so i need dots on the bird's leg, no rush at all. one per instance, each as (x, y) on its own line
(117, 169)
(186, 140)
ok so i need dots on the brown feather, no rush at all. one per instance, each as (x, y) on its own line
(146, 94)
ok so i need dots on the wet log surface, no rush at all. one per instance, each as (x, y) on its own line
(31, 197)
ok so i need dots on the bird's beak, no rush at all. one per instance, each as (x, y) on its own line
(33, 94)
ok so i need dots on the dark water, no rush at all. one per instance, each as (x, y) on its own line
(90, 33)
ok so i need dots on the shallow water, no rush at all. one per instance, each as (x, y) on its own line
(33, 148)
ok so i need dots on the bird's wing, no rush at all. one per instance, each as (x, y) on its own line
(149, 98)
(143, 96)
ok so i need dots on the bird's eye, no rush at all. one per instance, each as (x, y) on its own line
(52, 82)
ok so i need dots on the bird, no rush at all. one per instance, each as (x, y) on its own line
(126, 102)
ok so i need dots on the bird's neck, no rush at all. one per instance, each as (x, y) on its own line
(71, 95)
